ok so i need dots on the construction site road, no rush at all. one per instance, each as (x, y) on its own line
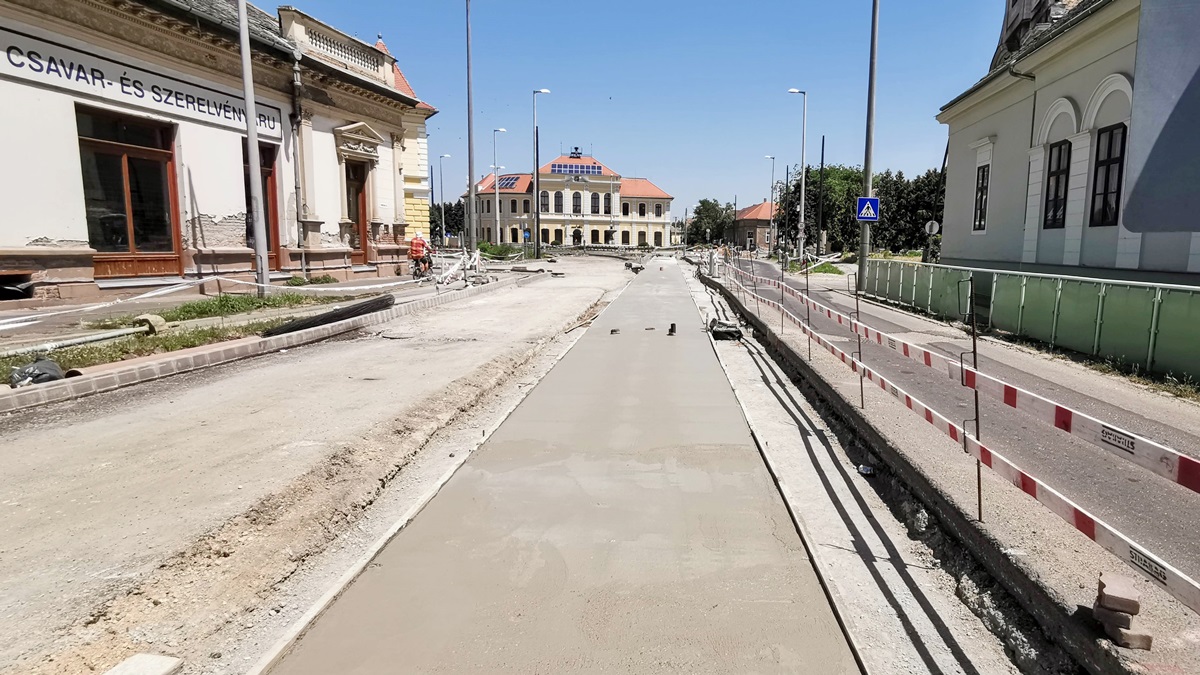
(620, 520)
(1153, 511)
(168, 516)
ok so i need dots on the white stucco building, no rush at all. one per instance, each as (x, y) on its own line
(583, 202)
(123, 141)
(1038, 170)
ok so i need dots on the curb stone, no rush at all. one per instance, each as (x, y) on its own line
(222, 352)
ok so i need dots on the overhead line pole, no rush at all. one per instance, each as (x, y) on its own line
(864, 233)
(258, 219)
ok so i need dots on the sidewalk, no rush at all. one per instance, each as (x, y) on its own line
(621, 520)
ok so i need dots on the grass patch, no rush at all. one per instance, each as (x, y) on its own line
(301, 281)
(84, 356)
(221, 305)
(1185, 388)
(823, 268)
(499, 250)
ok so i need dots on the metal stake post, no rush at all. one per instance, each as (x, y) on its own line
(862, 393)
(808, 305)
(783, 258)
(975, 365)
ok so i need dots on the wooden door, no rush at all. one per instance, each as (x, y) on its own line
(356, 210)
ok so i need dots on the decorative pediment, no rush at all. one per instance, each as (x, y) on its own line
(358, 141)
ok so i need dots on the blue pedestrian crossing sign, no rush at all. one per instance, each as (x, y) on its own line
(868, 209)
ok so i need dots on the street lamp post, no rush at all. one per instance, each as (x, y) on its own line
(257, 219)
(864, 233)
(537, 183)
(495, 238)
(803, 167)
(772, 211)
(442, 190)
(471, 206)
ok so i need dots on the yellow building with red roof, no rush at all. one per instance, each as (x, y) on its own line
(582, 202)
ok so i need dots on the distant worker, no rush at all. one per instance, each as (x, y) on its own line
(419, 253)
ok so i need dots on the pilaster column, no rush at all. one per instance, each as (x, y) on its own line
(1081, 154)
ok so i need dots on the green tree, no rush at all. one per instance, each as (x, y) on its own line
(711, 216)
(455, 215)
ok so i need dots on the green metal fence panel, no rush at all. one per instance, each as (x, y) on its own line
(909, 290)
(895, 271)
(949, 296)
(921, 282)
(1125, 324)
(1177, 351)
(1038, 316)
(1077, 313)
(1006, 303)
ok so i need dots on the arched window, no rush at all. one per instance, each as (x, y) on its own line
(642, 209)
(624, 208)
(577, 203)
(545, 202)
(558, 203)
(608, 205)
(658, 210)
(487, 207)
(526, 206)
(512, 206)
(595, 203)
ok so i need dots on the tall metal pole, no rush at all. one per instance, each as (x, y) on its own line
(470, 225)
(803, 173)
(258, 219)
(821, 203)
(774, 235)
(495, 238)
(442, 190)
(537, 183)
(864, 231)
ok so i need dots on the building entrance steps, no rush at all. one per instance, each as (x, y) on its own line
(620, 519)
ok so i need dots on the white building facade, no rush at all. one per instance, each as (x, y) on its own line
(583, 203)
(124, 159)
(1038, 152)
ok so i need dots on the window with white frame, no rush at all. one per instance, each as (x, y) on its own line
(983, 176)
(1110, 169)
(1058, 172)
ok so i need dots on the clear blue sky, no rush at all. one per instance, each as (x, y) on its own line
(689, 93)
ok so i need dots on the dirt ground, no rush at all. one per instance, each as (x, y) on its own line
(182, 517)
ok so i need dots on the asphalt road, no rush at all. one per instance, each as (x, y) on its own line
(620, 520)
(1153, 511)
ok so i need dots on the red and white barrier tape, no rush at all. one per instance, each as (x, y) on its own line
(1156, 457)
(1175, 582)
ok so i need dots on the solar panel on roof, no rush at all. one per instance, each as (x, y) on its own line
(509, 182)
(577, 169)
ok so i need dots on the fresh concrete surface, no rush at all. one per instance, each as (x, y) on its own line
(900, 605)
(621, 519)
(159, 514)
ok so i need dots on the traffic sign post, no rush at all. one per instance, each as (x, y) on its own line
(868, 209)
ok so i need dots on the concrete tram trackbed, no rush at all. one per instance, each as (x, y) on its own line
(621, 518)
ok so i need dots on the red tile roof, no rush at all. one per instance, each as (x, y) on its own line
(400, 83)
(588, 161)
(641, 187)
(524, 183)
(763, 211)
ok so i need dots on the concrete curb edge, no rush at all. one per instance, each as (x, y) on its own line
(1041, 602)
(831, 593)
(116, 378)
